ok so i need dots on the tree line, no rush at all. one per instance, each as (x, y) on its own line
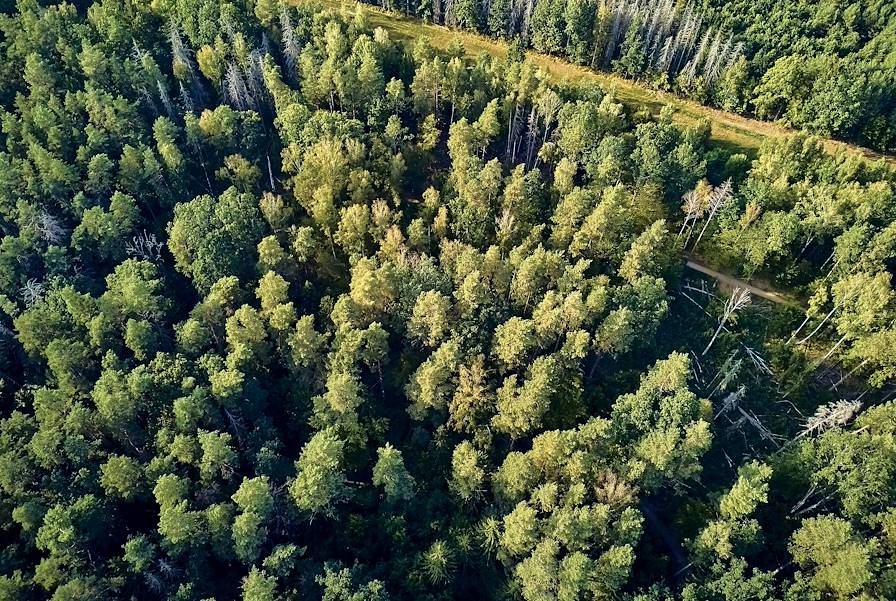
(818, 66)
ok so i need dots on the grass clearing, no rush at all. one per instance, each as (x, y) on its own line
(728, 130)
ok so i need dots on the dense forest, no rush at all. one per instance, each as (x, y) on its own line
(290, 310)
(828, 66)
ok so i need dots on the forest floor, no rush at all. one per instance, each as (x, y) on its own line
(740, 134)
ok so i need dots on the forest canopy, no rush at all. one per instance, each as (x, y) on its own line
(291, 310)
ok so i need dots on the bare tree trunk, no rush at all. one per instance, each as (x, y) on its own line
(805, 246)
(516, 142)
(690, 233)
(851, 372)
(510, 127)
(547, 126)
(544, 140)
(739, 299)
(531, 135)
(527, 16)
(833, 348)
(208, 181)
(593, 366)
(270, 173)
(799, 329)
(818, 327)
(703, 231)
(714, 336)
(669, 538)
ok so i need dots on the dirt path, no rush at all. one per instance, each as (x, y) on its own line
(732, 282)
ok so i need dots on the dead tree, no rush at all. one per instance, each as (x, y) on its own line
(254, 76)
(145, 246)
(549, 105)
(186, 101)
(291, 48)
(728, 373)
(830, 415)
(833, 348)
(718, 199)
(48, 228)
(166, 100)
(732, 401)
(758, 360)
(235, 90)
(843, 378)
(693, 209)
(830, 313)
(32, 292)
(739, 299)
(180, 54)
(715, 56)
(690, 69)
(764, 432)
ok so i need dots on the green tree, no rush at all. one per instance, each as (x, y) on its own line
(390, 473)
(210, 237)
(663, 421)
(430, 321)
(633, 58)
(579, 17)
(837, 562)
(320, 477)
(547, 29)
(255, 501)
(467, 476)
(258, 586)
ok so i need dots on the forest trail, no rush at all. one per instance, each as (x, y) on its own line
(729, 130)
(731, 282)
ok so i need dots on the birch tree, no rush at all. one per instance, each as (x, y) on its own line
(739, 299)
(719, 197)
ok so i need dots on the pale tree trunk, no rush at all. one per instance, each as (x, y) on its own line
(531, 135)
(739, 299)
(799, 329)
(527, 16)
(593, 366)
(805, 246)
(270, 173)
(851, 372)
(703, 231)
(544, 140)
(818, 327)
(833, 348)
(518, 136)
(714, 336)
(510, 127)
(690, 233)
